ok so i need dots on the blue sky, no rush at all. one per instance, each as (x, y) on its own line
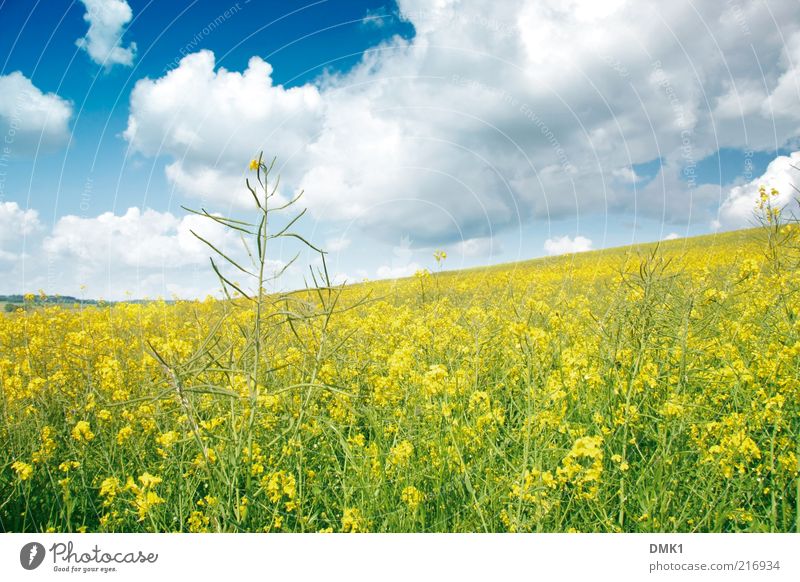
(45, 51)
(496, 132)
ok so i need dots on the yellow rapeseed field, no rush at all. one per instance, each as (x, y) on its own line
(641, 389)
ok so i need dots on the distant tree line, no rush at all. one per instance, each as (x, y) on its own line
(14, 302)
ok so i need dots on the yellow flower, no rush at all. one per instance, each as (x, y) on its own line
(208, 501)
(48, 446)
(168, 438)
(400, 455)
(623, 465)
(279, 484)
(243, 508)
(353, 521)
(412, 497)
(109, 489)
(198, 522)
(148, 480)
(145, 501)
(82, 432)
(124, 434)
(253, 165)
(67, 466)
(583, 466)
(23, 470)
(356, 440)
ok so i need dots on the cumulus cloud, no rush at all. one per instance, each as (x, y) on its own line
(402, 263)
(674, 195)
(30, 118)
(397, 271)
(562, 245)
(491, 115)
(672, 236)
(626, 175)
(139, 253)
(144, 239)
(337, 244)
(211, 122)
(16, 224)
(478, 247)
(342, 278)
(784, 99)
(16, 221)
(143, 252)
(103, 41)
(738, 209)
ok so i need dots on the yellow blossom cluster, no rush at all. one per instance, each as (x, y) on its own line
(646, 388)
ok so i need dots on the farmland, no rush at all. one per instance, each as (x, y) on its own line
(640, 389)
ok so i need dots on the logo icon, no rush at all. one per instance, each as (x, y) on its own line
(31, 555)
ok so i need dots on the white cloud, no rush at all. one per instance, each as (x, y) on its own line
(342, 279)
(490, 116)
(103, 41)
(138, 253)
(16, 222)
(785, 97)
(16, 226)
(398, 271)
(402, 262)
(211, 122)
(7, 256)
(478, 247)
(672, 236)
(144, 252)
(626, 175)
(561, 245)
(28, 117)
(227, 189)
(146, 239)
(744, 98)
(359, 275)
(375, 18)
(739, 208)
(337, 244)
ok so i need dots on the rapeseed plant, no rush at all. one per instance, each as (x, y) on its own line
(650, 388)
